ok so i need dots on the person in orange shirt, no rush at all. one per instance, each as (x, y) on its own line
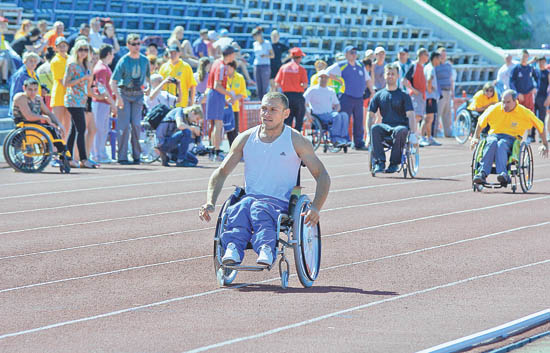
(292, 78)
(508, 120)
(53, 34)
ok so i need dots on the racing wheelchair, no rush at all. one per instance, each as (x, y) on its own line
(318, 132)
(410, 156)
(303, 239)
(29, 148)
(520, 166)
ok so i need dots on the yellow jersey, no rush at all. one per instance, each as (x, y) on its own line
(513, 123)
(480, 100)
(57, 66)
(237, 85)
(183, 72)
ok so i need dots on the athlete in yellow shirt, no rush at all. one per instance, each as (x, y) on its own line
(181, 71)
(57, 67)
(508, 120)
(483, 99)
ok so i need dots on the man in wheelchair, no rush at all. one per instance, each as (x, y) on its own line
(176, 132)
(508, 120)
(272, 153)
(28, 107)
(397, 118)
(323, 103)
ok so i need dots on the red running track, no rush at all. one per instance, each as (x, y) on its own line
(116, 260)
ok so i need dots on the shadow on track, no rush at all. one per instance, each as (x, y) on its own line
(314, 289)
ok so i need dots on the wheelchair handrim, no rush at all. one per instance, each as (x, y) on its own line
(526, 169)
(311, 249)
(462, 127)
(28, 150)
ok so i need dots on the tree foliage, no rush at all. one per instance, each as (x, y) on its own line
(497, 21)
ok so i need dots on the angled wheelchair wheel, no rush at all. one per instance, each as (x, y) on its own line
(413, 159)
(307, 250)
(463, 126)
(224, 276)
(148, 152)
(28, 150)
(526, 167)
(313, 131)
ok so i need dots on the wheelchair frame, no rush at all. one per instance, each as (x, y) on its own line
(148, 144)
(521, 168)
(324, 136)
(296, 238)
(36, 142)
(410, 158)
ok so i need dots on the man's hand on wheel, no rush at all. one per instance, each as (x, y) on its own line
(543, 151)
(312, 216)
(473, 143)
(204, 212)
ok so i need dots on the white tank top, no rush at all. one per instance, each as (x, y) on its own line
(270, 168)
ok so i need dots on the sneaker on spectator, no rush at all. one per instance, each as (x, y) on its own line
(423, 142)
(220, 156)
(105, 160)
(231, 256)
(433, 142)
(265, 256)
(55, 163)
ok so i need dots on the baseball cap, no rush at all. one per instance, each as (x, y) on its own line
(323, 73)
(203, 30)
(403, 50)
(212, 35)
(379, 50)
(349, 48)
(60, 40)
(368, 53)
(223, 32)
(228, 50)
(295, 52)
(173, 47)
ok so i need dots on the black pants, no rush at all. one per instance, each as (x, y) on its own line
(540, 111)
(78, 130)
(399, 136)
(232, 135)
(297, 105)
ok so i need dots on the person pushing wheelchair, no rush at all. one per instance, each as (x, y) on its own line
(272, 154)
(508, 120)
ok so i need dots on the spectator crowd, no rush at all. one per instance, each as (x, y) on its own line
(90, 82)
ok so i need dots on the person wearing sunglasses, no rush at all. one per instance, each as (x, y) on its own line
(483, 99)
(127, 83)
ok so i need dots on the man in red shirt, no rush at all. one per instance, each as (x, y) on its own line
(215, 97)
(292, 78)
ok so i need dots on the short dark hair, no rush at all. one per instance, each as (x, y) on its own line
(391, 66)
(30, 81)
(34, 32)
(510, 92)
(434, 55)
(105, 50)
(84, 25)
(277, 95)
(525, 51)
(233, 64)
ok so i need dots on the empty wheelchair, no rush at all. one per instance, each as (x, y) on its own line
(304, 240)
(30, 147)
(520, 166)
(410, 157)
(148, 143)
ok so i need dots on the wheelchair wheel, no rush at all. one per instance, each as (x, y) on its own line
(307, 250)
(463, 126)
(148, 152)
(413, 160)
(64, 165)
(526, 167)
(313, 131)
(224, 276)
(28, 150)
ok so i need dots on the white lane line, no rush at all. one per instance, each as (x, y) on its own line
(364, 306)
(169, 195)
(201, 229)
(192, 209)
(153, 236)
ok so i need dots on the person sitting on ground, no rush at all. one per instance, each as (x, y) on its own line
(29, 107)
(272, 154)
(398, 117)
(323, 102)
(157, 94)
(174, 134)
(483, 99)
(508, 120)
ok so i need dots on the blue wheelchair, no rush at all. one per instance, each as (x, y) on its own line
(320, 135)
(304, 240)
(410, 157)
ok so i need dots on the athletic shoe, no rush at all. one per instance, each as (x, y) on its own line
(220, 156)
(136, 162)
(185, 164)
(433, 142)
(55, 163)
(105, 160)
(362, 148)
(163, 158)
(265, 256)
(231, 256)
(125, 162)
(423, 142)
(480, 178)
(504, 179)
(379, 167)
(392, 168)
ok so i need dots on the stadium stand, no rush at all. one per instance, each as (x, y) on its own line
(320, 28)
